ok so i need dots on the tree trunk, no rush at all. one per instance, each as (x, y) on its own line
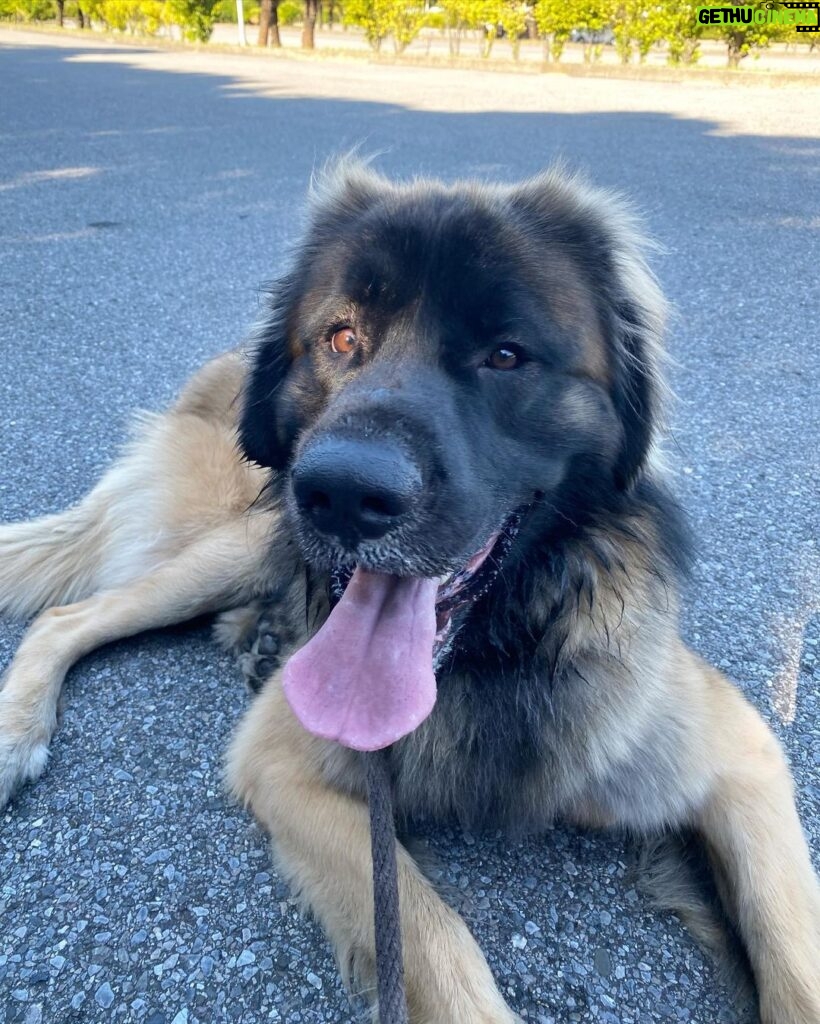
(264, 23)
(735, 54)
(623, 46)
(274, 38)
(487, 41)
(80, 17)
(309, 26)
(60, 12)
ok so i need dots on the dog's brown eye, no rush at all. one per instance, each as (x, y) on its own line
(503, 359)
(343, 341)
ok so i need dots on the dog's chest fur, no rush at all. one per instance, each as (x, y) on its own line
(509, 752)
(513, 743)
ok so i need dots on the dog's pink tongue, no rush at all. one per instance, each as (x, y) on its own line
(366, 679)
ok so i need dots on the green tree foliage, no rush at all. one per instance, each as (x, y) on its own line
(405, 24)
(485, 16)
(461, 15)
(555, 20)
(134, 16)
(513, 18)
(27, 10)
(637, 25)
(195, 17)
(594, 16)
(289, 12)
(457, 15)
(682, 31)
(225, 11)
(742, 39)
(379, 19)
(371, 16)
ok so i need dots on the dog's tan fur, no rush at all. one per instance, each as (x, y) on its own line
(162, 538)
(167, 535)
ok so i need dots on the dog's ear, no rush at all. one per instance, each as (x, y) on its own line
(341, 191)
(606, 241)
(636, 384)
(271, 359)
(344, 190)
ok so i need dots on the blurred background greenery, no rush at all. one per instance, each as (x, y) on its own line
(632, 27)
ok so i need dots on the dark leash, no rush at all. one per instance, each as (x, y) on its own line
(386, 918)
(392, 999)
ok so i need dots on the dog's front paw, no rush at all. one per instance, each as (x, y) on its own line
(259, 636)
(23, 748)
(468, 1014)
(263, 656)
(467, 997)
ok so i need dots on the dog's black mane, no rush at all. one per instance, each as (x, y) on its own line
(561, 569)
(516, 652)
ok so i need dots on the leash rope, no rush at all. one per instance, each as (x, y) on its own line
(389, 963)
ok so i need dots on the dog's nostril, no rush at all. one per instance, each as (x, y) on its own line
(378, 506)
(317, 501)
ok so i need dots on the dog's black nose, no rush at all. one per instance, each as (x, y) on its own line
(355, 489)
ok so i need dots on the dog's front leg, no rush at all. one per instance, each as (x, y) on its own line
(750, 824)
(207, 575)
(322, 841)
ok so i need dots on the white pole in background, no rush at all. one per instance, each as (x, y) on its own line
(240, 22)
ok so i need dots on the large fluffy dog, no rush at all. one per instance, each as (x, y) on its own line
(449, 415)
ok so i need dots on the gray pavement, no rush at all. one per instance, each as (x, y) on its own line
(143, 197)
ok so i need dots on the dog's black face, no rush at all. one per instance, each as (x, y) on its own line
(440, 358)
(445, 368)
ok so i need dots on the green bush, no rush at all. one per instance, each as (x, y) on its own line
(195, 17)
(637, 28)
(290, 11)
(225, 10)
(382, 18)
(28, 10)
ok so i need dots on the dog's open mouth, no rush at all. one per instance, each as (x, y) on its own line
(367, 678)
(458, 590)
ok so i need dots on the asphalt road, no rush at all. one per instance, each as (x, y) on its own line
(143, 197)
